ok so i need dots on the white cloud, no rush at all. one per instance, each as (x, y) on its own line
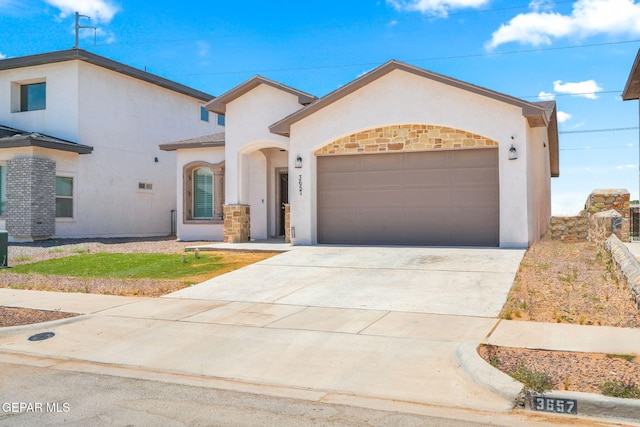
(588, 17)
(2, 55)
(435, 7)
(98, 10)
(563, 117)
(544, 96)
(586, 89)
(203, 48)
(622, 167)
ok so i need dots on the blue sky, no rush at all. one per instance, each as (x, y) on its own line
(576, 52)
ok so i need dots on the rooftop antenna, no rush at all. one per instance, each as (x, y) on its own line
(79, 27)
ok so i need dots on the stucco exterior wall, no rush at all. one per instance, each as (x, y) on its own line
(402, 98)
(248, 120)
(195, 231)
(538, 183)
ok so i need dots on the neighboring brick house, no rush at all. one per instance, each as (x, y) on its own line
(400, 155)
(79, 154)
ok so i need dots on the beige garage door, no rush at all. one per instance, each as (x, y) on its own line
(414, 198)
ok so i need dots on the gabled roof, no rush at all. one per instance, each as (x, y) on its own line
(632, 88)
(535, 114)
(213, 140)
(101, 61)
(219, 105)
(12, 138)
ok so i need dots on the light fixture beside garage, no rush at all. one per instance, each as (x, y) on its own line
(513, 153)
(298, 162)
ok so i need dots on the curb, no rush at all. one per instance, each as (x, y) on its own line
(485, 375)
(589, 404)
(596, 405)
(13, 330)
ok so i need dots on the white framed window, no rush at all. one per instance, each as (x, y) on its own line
(220, 119)
(64, 197)
(28, 95)
(145, 186)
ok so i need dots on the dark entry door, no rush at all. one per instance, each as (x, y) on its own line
(283, 178)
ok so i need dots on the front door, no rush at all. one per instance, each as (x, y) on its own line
(283, 196)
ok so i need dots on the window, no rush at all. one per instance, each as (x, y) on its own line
(3, 190)
(220, 119)
(204, 114)
(145, 186)
(64, 197)
(33, 96)
(202, 193)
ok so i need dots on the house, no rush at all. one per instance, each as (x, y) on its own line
(400, 155)
(79, 154)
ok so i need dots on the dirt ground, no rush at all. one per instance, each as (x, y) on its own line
(568, 282)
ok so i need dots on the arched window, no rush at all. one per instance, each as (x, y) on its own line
(202, 193)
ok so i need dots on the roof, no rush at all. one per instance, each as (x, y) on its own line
(535, 114)
(219, 105)
(632, 88)
(101, 61)
(552, 136)
(213, 140)
(12, 138)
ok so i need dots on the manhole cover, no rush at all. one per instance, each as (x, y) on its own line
(42, 336)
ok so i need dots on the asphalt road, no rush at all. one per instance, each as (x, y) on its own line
(31, 395)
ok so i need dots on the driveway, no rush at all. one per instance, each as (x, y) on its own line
(454, 281)
(363, 326)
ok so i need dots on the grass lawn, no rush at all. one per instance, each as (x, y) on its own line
(126, 266)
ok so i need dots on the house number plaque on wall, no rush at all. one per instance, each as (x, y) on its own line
(300, 184)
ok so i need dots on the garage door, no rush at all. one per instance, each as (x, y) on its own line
(439, 198)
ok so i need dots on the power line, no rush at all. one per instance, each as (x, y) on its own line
(371, 64)
(599, 130)
(595, 148)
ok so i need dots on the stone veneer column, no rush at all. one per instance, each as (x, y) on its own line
(287, 223)
(617, 199)
(31, 198)
(237, 223)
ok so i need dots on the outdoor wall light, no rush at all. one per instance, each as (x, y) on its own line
(155, 160)
(513, 153)
(298, 162)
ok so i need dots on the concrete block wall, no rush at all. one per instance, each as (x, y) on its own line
(31, 198)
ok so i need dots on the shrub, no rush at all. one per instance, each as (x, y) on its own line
(625, 389)
(533, 380)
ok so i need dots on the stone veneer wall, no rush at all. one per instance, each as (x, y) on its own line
(569, 228)
(237, 224)
(400, 138)
(287, 223)
(626, 267)
(618, 199)
(31, 198)
(586, 226)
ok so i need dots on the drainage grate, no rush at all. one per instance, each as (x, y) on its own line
(42, 336)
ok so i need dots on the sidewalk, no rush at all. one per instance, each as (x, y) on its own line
(347, 356)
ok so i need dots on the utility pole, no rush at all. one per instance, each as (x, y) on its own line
(79, 27)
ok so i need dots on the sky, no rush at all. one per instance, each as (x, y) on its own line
(578, 53)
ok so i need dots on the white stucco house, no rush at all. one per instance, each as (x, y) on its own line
(79, 136)
(400, 155)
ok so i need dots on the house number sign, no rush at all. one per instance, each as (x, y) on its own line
(300, 184)
(554, 404)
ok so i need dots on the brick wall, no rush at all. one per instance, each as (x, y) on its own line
(400, 138)
(31, 198)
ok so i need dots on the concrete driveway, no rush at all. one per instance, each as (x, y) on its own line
(455, 281)
(363, 326)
